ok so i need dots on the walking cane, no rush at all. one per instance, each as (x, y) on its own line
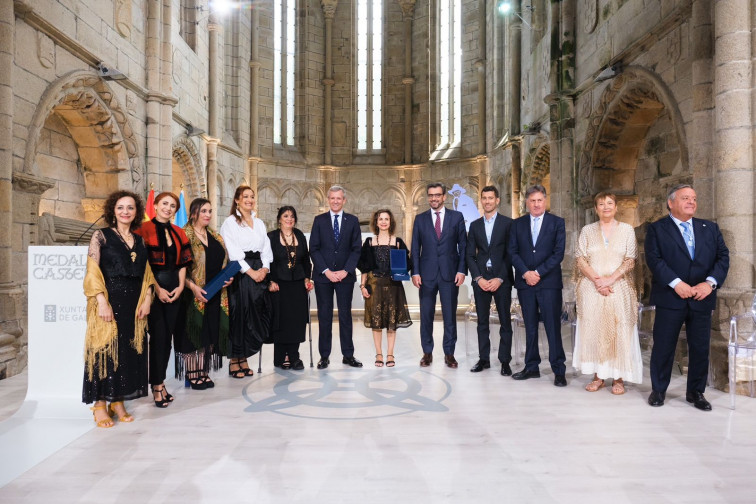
(259, 360)
(309, 325)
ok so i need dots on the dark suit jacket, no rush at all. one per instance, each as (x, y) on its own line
(431, 256)
(668, 258)
(479, 251)
(326, 254)
(545, 256)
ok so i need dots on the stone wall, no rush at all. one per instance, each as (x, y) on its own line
(538, 115)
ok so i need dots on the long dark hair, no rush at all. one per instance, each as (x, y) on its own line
(237, 194)
(195, 207)
(108, 208)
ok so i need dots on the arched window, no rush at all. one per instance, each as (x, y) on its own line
(369, 72)
(450, 72)
(284, 44)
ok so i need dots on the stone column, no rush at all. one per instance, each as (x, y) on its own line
(408, 11)
(700, 141)
(9, 289)
(733, 136)
(515, 58)
(168, 102)
(329, 10)
(516, 179)
(153, 51)
(7, 28)
(214, 104)
(254, 103)
(480, 66)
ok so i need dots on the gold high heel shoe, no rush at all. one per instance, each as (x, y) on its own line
(105, 423)
(127, 417)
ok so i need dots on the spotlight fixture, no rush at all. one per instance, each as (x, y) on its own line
(609, 72)
(109, 73)
(193, 131)
(506, 8)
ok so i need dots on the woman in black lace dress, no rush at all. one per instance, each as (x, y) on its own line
(119, 288)
(290, 283)
(385, 301)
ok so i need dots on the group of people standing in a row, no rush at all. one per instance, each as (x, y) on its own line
(138, 273)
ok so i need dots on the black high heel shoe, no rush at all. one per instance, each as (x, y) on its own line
(163, 402)
(237, 373)
(196, 383)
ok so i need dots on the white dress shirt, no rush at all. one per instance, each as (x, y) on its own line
(241, 238)
(677, 222)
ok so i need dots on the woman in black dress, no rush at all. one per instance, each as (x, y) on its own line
(205, 340)
(290, 284)
(385, 301)
(169, 254)
(119, 288)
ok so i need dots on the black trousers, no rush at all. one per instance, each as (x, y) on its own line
(546, 305)
(324, 296)
(667, 325)
(503, 299)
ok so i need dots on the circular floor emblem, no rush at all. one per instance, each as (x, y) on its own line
(348, 394)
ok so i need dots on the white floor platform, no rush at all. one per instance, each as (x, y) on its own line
(387, 435)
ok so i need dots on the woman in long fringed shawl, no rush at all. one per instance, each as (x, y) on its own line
(205, 339)
(119, 286)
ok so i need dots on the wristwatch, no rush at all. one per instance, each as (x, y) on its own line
(711, 284)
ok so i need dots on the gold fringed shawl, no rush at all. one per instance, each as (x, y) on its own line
(101, 339)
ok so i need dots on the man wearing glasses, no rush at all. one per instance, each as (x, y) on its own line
(438, 266)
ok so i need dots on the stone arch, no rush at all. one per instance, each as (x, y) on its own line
(107, 146)
(635, 146)
(537, 169)
(188, 163)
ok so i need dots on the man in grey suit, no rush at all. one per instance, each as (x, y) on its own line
(491, 272)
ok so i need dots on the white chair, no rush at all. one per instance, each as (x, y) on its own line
(741, 351)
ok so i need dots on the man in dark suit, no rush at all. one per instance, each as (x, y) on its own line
(438, 267)
(688, 260)
(536, 246)
(335, 244)
(491, 273)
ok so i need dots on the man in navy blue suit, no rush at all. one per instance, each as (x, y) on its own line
(688, 260)
(438, 267)
(335, 245)
(536, 246)
(491, 273)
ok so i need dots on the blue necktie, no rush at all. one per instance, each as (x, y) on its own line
(336, 228)
(536, 229)
(688, 236)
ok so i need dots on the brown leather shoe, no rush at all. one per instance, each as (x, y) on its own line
(451, 361)
(426, 360)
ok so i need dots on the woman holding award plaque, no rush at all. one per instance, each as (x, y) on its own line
(290, 284)
(205, 340)
(385, 301)
(249, 301)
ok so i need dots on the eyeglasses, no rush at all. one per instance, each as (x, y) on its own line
(435, 195)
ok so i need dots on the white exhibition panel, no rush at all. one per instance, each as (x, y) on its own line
(52, 414)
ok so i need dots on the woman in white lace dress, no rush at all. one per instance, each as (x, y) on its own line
(606, 342)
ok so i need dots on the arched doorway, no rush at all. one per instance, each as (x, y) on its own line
(81, 138)
(635, 147)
